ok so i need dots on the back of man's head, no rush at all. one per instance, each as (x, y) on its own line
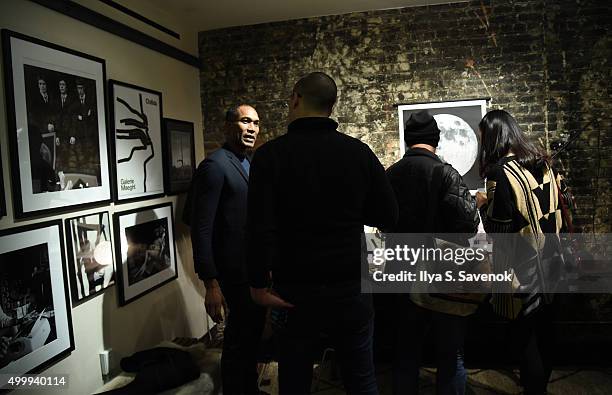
(318, 92)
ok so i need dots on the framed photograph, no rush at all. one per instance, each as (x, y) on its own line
(57, 126)
(137, 142)
(459, 141)
(91, 262)
(35, 320)
(146, 254)
(179, 155)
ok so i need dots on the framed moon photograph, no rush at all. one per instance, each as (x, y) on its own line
(137, 142)
(179, 155)
(459, 142)
(35, 319)
(145, 253)
(56, 113)
(91, 263)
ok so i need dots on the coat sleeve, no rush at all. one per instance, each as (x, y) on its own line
(381, 209)
(497, 213)
(205, 202)
(458, 204)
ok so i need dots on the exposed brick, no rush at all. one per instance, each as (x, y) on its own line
(548, 66)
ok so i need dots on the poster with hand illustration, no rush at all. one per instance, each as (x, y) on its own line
(137, 117)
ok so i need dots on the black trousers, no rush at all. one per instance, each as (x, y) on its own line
(346, 318)
(241, 340)
(533, 345)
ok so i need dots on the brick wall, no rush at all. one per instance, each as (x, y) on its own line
(546, 62)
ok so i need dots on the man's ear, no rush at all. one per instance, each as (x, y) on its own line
(295, 100)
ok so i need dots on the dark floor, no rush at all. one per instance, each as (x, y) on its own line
(584, 365)
(480, 381)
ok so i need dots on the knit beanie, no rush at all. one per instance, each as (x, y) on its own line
(421, 128)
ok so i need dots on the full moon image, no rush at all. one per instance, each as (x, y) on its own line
(458, 144)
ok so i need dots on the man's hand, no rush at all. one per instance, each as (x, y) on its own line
(214, 302)
(72, 140)
(264, 297)
(481, 199)
(45, 152)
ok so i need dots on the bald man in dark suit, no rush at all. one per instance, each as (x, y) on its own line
(218, 221)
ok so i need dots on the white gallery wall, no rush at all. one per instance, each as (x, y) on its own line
(176, 309)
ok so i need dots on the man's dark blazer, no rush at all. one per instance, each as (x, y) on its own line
(65, 123)
(41, 113)
(218, 218)
(87, 126)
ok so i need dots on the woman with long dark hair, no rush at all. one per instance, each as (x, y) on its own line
(522, 201)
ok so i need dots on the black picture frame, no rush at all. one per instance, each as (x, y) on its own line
(136, 142)
(58, 145)
(179, 148)
(91, 255)
(459, 139)
(38, 305)
(145, 250)
(2, 197)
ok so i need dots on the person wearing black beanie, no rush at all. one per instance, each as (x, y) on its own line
(432, 197)
(421, 128)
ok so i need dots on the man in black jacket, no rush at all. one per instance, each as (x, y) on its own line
(64, 136)
(454, 211)
(41, 109)
(219, 198)
(311, 192)
(41, 129)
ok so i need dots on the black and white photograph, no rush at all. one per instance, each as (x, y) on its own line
(459, 141)
(62, 112)
(179, 163)
(146, 251)
(35, 320)
(91, 263)
(57, 126)
(138, 156)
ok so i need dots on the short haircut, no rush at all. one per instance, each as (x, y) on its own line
(318, 90)
(232, 113)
